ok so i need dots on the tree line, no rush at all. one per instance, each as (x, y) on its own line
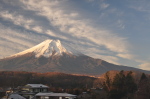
(53, 79)
(124, 86)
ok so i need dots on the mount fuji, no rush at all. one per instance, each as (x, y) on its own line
(50, 48)
(57, 56)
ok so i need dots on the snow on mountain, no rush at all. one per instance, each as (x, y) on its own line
(50, 47)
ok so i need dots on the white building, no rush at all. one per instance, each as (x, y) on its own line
(30, 90)
(54, 96)
(36, 88)
(38, 91)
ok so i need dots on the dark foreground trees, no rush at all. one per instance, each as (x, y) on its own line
(122, 85)
(143, 91)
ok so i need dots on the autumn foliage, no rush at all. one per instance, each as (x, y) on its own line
(13, 79)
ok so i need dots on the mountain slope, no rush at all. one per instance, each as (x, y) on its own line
(54, 56)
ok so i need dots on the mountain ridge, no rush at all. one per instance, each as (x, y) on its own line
(55, 60)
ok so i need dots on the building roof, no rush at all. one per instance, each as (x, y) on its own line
(37, 86)
(16, 96)
(56, 94)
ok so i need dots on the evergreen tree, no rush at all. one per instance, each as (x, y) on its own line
(119, 80)
(143, 77)
(143, 88)
(107, 83)
(130, 84)
(117, 91)
(122, 85)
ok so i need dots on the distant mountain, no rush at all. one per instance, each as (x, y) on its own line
(56, 56)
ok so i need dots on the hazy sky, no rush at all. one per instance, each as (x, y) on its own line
(113, 30)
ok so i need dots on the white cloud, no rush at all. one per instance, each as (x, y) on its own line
(68, 25)
(140, 5)
(49, 32)
(89, 0)
(37, 29)
(145, 66)
(120, 24)
(15, 36)
(13, 40)
(56, 18)
(17, 19)
(20, 20)
(127, 56)
(74, 14)
(97, 53)
(104, 6)
(77, 28)
(110, 59)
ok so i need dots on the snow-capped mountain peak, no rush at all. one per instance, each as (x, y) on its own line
(50, 47)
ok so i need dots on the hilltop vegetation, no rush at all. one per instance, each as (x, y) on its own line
(125, 85)
(14, 79)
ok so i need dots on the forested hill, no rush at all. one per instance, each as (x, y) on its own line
(54, 79)
(114, 84)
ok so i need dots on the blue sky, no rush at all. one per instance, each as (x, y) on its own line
(113, 30)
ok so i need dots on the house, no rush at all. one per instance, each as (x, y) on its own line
(14, 96)
(37, 91)
(30, 90)
(54, 96)
(35, 88)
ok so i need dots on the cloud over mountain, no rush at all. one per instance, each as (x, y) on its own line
(96, 28)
